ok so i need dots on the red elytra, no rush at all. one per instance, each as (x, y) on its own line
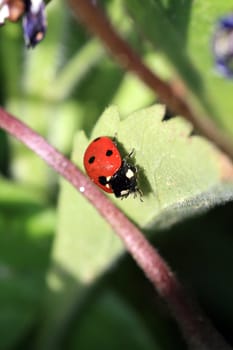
(102, 159)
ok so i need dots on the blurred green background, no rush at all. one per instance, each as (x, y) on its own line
(59, 88)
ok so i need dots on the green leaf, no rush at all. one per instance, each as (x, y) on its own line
(179, 175)
(176, 171)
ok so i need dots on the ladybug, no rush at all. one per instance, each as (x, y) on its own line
(106, 168)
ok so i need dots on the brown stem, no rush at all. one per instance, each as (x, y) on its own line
(196, 329)
(98, 24)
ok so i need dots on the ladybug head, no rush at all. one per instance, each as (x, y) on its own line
(124, 181)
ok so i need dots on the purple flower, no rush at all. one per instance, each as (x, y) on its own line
(223, 46)
(34, 20)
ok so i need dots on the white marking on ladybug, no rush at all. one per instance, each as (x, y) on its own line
(124, 192)
(129, 174)
(107, 185)
(108, 179)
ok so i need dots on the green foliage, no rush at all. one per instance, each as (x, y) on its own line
(26, 227)
(64, 279)
(117, 322)
(187, 47)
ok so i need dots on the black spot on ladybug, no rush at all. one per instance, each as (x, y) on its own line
(109, 152)
(91, 160)
(102, 180)
(97, 138)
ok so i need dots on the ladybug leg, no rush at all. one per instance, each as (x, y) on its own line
(140, 194)
(125, 195)
(130, 154)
